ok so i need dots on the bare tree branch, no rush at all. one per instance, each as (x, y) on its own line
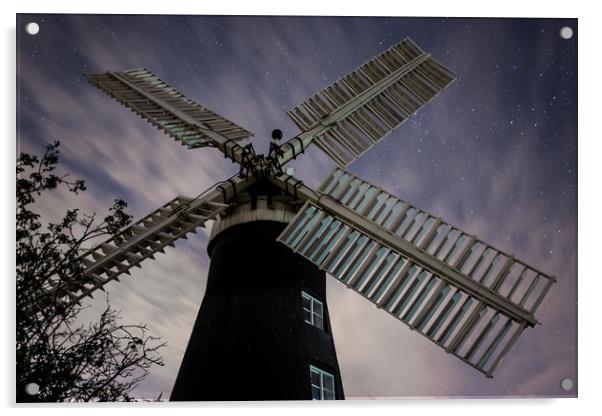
(103, 361)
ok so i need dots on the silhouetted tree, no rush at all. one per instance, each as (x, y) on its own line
(57, 359)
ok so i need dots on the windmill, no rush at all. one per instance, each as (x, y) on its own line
(263, 330)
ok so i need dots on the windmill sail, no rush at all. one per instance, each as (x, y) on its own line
(140, 241)
(469, 298)
(169, 110)
(348, 117)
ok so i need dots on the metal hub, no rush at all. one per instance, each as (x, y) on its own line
(259, 165)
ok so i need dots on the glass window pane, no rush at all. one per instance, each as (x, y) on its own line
(328, 381)
(307, 316)
(328, 395)
(318, 322)
(318, 310)
(315, 378)
(315, 393)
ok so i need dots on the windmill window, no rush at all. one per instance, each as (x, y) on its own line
(313, 311)
(322, 384)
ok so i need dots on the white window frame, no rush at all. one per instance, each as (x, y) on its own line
(323, 375)
(312, 311)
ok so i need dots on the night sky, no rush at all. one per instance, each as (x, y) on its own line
(494, 154)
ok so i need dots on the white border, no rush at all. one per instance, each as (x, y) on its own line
(589, 160)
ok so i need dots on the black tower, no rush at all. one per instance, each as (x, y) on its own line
(251, 340)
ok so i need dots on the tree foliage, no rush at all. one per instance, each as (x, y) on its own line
(68, 361)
